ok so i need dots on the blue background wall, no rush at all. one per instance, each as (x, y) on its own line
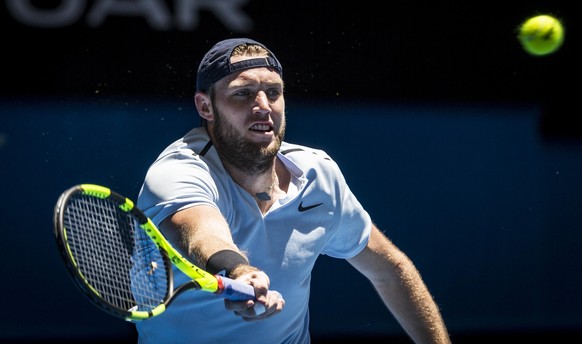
(490, 213)
(466, 151)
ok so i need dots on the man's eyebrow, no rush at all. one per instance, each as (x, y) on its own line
(244, 82)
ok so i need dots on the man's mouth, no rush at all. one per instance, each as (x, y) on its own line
(261, 127)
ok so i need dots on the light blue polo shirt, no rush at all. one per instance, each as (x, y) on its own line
(320, 215)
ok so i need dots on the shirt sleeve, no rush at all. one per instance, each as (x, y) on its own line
(351, 228)
(175, 182)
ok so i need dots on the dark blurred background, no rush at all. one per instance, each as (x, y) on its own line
(466, 150)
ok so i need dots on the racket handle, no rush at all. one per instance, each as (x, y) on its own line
(235, 290)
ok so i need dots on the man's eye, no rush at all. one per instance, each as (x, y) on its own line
(242, 93)
(273, 93)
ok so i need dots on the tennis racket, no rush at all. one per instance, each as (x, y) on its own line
(121, 261)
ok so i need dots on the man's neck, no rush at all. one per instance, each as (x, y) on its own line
(266, 187)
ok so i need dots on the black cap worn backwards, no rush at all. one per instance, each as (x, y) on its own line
(216, 63)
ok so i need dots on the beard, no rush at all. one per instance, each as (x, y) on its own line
(244, 155)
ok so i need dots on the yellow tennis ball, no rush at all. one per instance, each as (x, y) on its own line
(541, 35)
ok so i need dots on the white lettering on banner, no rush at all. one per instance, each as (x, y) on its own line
(155, 12)
(66, 13)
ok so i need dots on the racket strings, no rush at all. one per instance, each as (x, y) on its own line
(150, 282)
(114, 256)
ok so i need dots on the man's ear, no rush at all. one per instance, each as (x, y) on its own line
(204, 106)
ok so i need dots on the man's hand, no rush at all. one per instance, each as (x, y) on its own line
(267, 303)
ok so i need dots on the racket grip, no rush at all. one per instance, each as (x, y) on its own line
(235, 290)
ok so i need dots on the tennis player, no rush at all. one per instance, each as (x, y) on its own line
(241, 201)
